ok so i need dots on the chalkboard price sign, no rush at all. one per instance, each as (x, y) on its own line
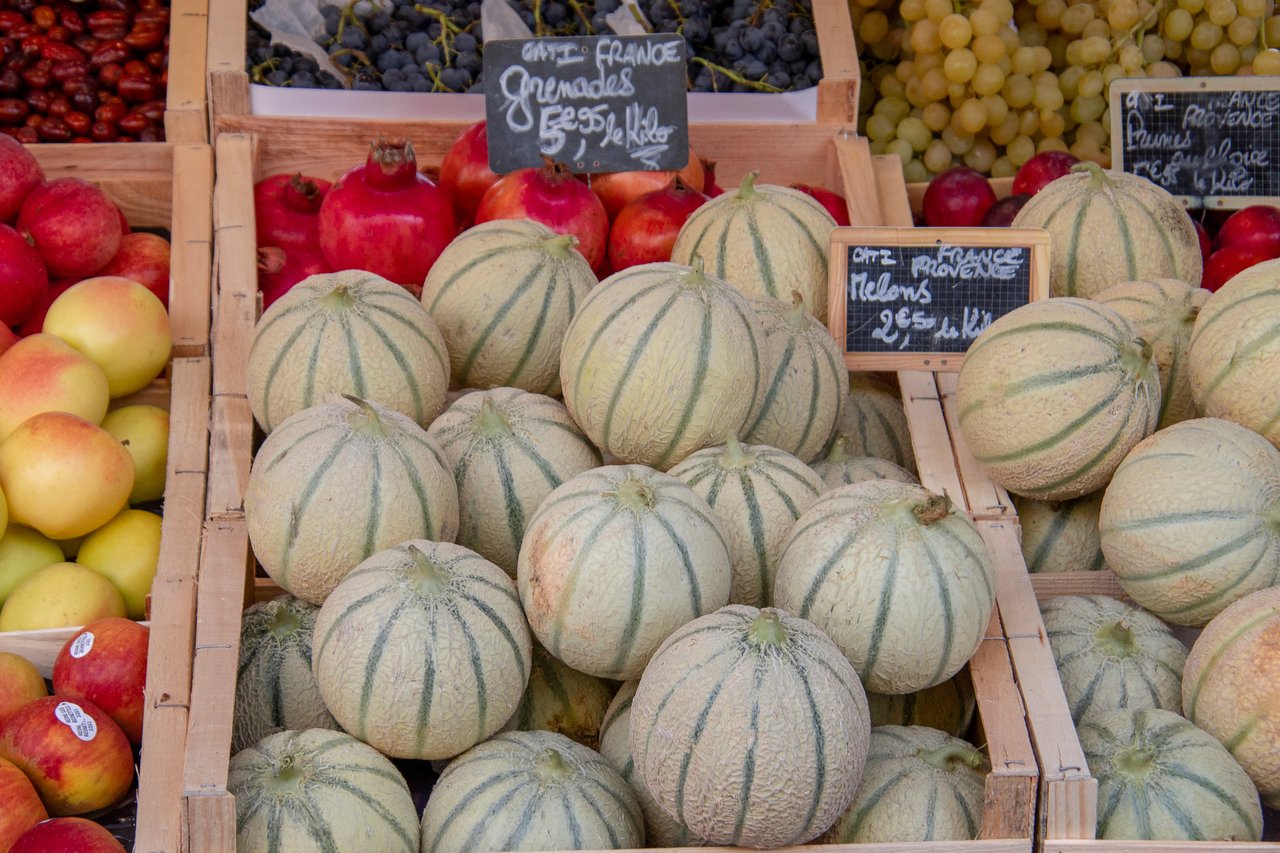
(917, 298)
(1212, 141)
(595, 103)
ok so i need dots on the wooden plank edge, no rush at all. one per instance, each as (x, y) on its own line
(930, 440)
(191, 246)
(236, 285)
(211, 822)
(986, 498)
(186, 103)
(1064, 845)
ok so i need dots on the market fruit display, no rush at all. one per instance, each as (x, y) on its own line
(562, 700)
(1061, 536)
(948, 707)
(106, 663)
(838, 468)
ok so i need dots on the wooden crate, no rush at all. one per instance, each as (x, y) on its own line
(186, 114)
(161, 185)
(837, 94)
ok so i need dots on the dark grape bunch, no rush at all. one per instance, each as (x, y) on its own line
(276, 65)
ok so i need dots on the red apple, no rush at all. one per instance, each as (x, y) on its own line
(1255, 227)
(1002, 213)
(124, 223)
(959, 197)
(1224, 264)
(20, 684)
(144, 258)
(74, 754)
(22, 277)
(20, 806)
(19, 175)
(35, 323)
(279, 270)
(646, 228)
(67, 835)
(8, 337)
(834, 203)
(106, 664)
(73, 225)
(1043, 168)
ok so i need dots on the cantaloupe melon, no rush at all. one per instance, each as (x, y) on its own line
(347, 332)
(804, 386)
(338, 482)
(560, 699)
(948, 706)
(503, 293)
(879, 565)
(1161, 778)
(1111, 655)
(919, 784)
(320, 790)
(422, 651)
(1163, 312)
(873, 422)
(662, 360)
(765, 240)
(1053, 394)
(1191, 520)
(760, 700)
(757, 492)
(275, 688)
(1061, 536)
(1235, 352)
(616, 559)
(1107, 227)
(530, 791)
(841, 469)
(508, 449)
(1231, 686)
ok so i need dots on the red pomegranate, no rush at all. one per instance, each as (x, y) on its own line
(645, 229)
(959, 197)
(1042, 169)
(22, 277)
(386, 218)
(280, 269)
(143, 257)
(709, 187)
(286, 209)
(550, 195)
(465, 172)
(1255, 227)
(615, 189)
(1206, 245)
(833, 202)
(1224, 264)
(1002, 213)
(19, 175)
(73, 225)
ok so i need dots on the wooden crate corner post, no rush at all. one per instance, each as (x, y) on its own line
(186, 116)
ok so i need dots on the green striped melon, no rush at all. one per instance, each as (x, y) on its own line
(1107, 227)
(660, 361)
(1160, 778)
(1235, 352)
(337, 483)
(530, 791)
(503, 293)
(616, 559)
(1061, 536)
(750, 728)
(804, 386)
(347, 332)
(660, 828)
(757, 492)
(948, 706)
(765, 240)
(1191, 520)
(275, 688)
(508, 449)
(1163, 311)
(839, 468)
(880, 565)
(1111, 655)
(919, 784)
(561, 699)
(1054, 394)
(422, 651)
(873, 422)
(1231, 686)
(320, 790)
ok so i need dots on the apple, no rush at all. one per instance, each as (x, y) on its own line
(1253, 227)
(42, 373)
(958, 197)
(71, 547)
(73, 225)
(8, 337)
(832, 202)
(1041, 170)
(144, 432)
(67, 835)
(63, 595)
(20, 806)
(144, 258)
(126, 551)
(20, 684)
(1225, 263)
(106, 664)
(23, 551)
(35, 322)
(117, 323)
(1002, 213)
(23, 277)
(19, 175)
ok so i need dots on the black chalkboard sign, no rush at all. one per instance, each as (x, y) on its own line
(594, 103)
(1211, 141)
(917, 298)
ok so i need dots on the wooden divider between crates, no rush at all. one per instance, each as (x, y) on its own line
(186, 112)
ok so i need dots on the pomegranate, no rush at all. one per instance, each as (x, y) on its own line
(1223, 264)
(1001, 214)
(465, 172)
(19, 175)
(709, 187)
(833, 202)
(959, 197)
(1257, 226)
(22, 277)
(617, 188)
(385, 218)
(645, 229)
(35, 320)
(280, 269)
(1042, 169)
(8, 337)
(1206, 245)
(144, 258)
(73, 225)
(550, 195)
(287, 211)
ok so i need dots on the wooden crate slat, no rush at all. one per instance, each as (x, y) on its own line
(191, 260)
(986, 499)
(858, 181)
(186, 116)
(212, 822)
(929, 438)
(237, 262)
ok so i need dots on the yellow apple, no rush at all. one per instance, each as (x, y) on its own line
(60, 596)
(23, 551)
(126, 551)
(4, 514)
(63, 475)
(70, 547)
(41, 373)
(144, 432)
(20, 683)
(119, 324)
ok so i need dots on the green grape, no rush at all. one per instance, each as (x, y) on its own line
(1224, 59)
(1172, 50)
(880, 128)
(1057, 45)
(1075, 54)
(1076, 18)
(1047, 97)
(1049, 13)
(1087, 108)
(1090, 85)
(1221, 12)
(988, 48)
(955, 32)
(911, 10)
(927, 62)
(874, 27)
(1085, 150)
(1115, 72)
(902, 148)
(1178, 24)
(960, 65)
(1095, 49)
(933, 85)
(1131, 58)
(1247, 53)
(1025, 61)
(981, 156)
(1096, 28)
(1123, 14)
(914, 96)
(997, 109)
(957, 143)
(1051, 143)
(1242, 31)
(936, 10)
(1271, 30)
(984, 22)
(1044, 58)
(924, 36)
(988, 79)
(877, 147)
(936, 116)
(1205, 36)
(1003, 9)
(905, 70)
(1093, 131)
(1020, 149)
(1152, 48)
(1002, 168)
(971, 116)
(1033, 34)
(913, 131)
(1029, 122)
(1069, 81)
(937, 157)
(957, 93)
(1007, 130)
(1010, 38)
(892, 87)
(894, 109)
(1267, 62)
(1017, 90)
(1023, 14)
(1192, 6)
(914, 172)
(1052, 123)
(1253, 8)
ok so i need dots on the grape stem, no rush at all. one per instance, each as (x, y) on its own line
(448, 29)
(582, 15)
(758, 85)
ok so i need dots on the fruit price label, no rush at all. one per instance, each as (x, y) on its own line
(917, 298)
(595, 103)
(1214, 142)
